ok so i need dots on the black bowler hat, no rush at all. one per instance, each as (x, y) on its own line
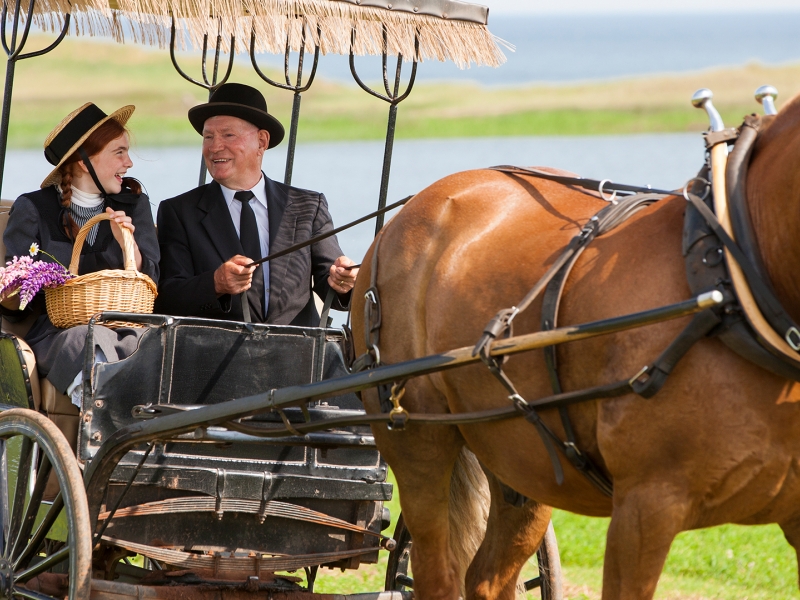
(242, 101)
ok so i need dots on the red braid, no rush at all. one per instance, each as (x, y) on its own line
(66, 185)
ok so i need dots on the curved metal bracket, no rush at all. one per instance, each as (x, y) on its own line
(393, 97)
(13, 50)
(211, 84)
(297, 87)
(62, 34)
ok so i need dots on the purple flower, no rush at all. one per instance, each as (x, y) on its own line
(27, 277)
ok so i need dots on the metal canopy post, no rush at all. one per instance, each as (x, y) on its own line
(393, 97)
(297, 87)
(13, 50)
(209, 83)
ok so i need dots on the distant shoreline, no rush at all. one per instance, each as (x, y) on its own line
(111, 75)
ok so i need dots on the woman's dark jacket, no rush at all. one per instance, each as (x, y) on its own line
(37, 217)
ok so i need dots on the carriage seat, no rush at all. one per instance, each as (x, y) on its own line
(58, 407)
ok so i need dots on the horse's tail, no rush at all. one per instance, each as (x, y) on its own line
(469, 510)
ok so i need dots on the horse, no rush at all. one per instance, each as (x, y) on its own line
(720, 442)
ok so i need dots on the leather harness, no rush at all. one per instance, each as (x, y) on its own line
(706, 248)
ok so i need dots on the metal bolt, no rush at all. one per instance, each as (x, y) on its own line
(97, 436)
(702, 99)
(87, 418)
(766, 95)
(99, 404)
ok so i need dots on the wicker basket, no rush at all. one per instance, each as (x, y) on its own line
(75, 302)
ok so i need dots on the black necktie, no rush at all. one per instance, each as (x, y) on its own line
(251, 245)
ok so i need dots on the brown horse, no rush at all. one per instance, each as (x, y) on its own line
(720, 443)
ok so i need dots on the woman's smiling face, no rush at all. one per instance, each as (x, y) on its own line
(110, 165)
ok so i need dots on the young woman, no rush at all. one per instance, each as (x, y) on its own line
(89, 151)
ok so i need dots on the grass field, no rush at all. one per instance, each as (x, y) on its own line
(48, 87)
(723, 563)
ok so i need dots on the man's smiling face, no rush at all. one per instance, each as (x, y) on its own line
(232, 150)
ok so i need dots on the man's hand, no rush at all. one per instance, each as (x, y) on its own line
(342, 279)
(233, 277)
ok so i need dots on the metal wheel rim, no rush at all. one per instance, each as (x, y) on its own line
(54, 457)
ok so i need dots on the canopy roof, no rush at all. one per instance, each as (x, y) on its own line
(444, 29)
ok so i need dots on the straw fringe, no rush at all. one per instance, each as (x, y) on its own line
(327, 23)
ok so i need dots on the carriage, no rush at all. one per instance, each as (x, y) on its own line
(223, 458)
(101, 501)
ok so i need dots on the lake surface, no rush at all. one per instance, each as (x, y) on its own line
(349, 172)
(564, 48)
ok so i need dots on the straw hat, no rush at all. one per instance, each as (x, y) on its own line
(73, 130)
(242, 101)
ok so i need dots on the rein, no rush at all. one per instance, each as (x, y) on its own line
(596, 185)
(330, 233)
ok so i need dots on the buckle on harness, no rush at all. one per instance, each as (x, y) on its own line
(706, 184)
(635, 379)
(613, 199)
(793, 338)
(398, 416)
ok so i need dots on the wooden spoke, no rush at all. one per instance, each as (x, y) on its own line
(37, 463)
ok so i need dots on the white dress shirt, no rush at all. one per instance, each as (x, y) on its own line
(262, 220)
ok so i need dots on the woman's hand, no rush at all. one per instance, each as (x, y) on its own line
(11, 302)
(119, 220)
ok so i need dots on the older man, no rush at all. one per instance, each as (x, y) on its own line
(210, 234)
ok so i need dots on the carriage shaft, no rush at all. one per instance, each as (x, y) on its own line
(170, 426)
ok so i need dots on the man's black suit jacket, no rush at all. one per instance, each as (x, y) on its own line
(196, 235)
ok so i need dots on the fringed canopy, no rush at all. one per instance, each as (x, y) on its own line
(443, 29)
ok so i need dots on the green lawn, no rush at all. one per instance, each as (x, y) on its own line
(727, 563)
(723, 563)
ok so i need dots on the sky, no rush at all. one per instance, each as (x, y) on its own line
(638, 6)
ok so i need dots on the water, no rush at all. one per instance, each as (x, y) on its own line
(349, 172)
(563, 48)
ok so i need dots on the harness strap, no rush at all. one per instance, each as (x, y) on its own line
(649, 381)
(547, 435)
(777, 317)
(552, 282)
(502, 320)
(589, 184)
(372, 318)
(605, 220)
(712, 138)
(581, 462)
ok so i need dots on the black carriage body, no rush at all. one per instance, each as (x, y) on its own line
(186, 362)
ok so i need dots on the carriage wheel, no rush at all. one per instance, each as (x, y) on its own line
(42, 501)
(397, 578)
(549, 580)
